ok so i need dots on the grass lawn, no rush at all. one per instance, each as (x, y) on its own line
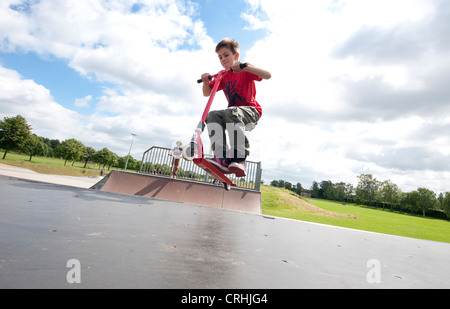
(51, 166)
(275, 202)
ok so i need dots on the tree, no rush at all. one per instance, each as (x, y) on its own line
(343, 192)
(88, 152)
(34, 146)
(349, 191)
(446, 204)
(14, 133)
(52, 144)
(367, 188)
(315, 189)
(288, 185)
(440, 204)
(113, 159)
(102, 156)
(327, 190)
(70, 150)
(298, 188)
(132, 163)
(409, 201)
(389, 193)
(426, 199)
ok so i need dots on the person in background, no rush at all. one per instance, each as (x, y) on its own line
(176, 154)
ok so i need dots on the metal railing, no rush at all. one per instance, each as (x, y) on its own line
(156, 160)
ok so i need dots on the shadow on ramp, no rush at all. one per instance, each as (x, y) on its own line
(180, 190)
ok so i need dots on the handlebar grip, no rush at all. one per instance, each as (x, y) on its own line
(242, 66)
(200, 80)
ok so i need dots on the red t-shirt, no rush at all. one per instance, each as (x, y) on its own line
(239, 89)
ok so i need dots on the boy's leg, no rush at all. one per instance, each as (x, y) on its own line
(176, 164)
(239, 120)
(216, 131)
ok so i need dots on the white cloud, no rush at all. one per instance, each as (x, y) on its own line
(24, 97)
(354, 85)
(83, 102)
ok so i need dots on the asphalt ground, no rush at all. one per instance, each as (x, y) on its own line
(63, 236)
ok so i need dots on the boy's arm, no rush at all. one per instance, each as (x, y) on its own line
(257, 71)
(206, 88)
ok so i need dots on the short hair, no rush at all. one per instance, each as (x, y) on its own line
(230, 43)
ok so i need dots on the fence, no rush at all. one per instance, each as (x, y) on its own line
(156, 160)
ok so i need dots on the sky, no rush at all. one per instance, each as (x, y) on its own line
(357, 87)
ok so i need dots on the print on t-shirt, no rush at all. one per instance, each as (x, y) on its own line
(231, 92)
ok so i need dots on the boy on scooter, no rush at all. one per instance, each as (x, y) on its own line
(243, 110)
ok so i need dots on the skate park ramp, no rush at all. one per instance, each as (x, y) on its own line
(181, 190)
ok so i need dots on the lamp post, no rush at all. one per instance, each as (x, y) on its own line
(126, 164)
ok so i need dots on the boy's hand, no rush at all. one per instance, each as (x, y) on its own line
(236, 67)
(205, 77)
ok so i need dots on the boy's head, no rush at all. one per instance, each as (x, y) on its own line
(228, 52)
(230, 43)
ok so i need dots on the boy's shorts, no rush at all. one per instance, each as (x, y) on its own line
(235, 120)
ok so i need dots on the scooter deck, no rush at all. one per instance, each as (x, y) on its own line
(213, 171)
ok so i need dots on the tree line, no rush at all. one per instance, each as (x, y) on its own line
(375, 193)
(287, 185)
(16, 135)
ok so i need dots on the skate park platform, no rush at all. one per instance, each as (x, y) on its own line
(131, 241)
(181, 190)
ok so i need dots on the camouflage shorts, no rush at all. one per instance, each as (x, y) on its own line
(235, 120)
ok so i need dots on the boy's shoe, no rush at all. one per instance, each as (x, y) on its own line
(237, 168)
(220, 163)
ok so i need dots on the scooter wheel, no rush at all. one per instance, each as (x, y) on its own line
(186, 153)
(227, 186)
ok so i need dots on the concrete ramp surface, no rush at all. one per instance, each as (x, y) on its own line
(127, 241)
(181, 191)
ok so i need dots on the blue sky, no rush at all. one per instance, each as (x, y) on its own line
(223, 19)
(358, 86)
(65, 84)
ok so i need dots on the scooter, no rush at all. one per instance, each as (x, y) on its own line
(194, 150)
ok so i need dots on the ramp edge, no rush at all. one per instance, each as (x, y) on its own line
(239, 199)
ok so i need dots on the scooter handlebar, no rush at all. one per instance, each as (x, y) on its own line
(201, 81)
(242, 66)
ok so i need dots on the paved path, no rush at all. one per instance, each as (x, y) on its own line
(125, 241)
(23, 173)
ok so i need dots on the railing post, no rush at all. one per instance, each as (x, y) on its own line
(142, 162)
(258, 177)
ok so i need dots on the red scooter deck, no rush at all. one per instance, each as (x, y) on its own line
(215, 172)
